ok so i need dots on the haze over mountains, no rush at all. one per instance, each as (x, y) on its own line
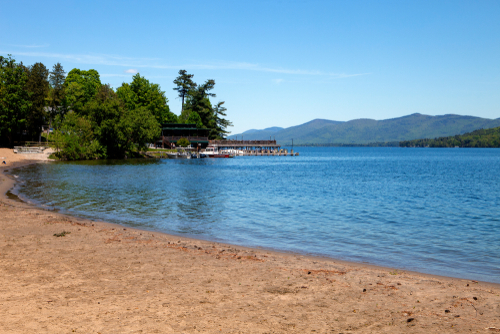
(367, 131)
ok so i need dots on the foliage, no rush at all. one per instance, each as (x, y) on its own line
(210, 117)
(80, 88)
(38, 88)
(104, 113)
(90, 119)
(183, 142)
(198, 101)
(171, 118)
(191, 117)
(15, 101)
(56, 80)
(75, 139)
(117, 128)
(185, 84)
(194, 118)
(219, 130)
(138, 127)
(142, 93)
(478, 138)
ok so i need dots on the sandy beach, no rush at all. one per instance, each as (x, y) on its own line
(61, 274)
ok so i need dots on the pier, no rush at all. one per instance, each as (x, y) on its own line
(251, 147)
(198, 138)
(240, 148)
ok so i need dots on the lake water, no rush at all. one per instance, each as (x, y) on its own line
(429, 210)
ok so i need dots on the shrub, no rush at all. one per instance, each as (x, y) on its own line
(183, 142)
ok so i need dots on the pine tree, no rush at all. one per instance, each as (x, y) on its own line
(219, 130)
(56, 80)
(184, 84)
(38, 89)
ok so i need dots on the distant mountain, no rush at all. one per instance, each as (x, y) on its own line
(266, 133)
(366, 131)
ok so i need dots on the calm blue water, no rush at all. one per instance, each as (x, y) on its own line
(430, 210)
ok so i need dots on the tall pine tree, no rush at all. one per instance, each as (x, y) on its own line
(184, 84)
(38, 89)
(56, 79)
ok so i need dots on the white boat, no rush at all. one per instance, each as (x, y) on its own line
(171, 155)
(182, 153)
(213, 152)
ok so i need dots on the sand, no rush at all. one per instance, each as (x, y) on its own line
(104, 278)
(13, 159)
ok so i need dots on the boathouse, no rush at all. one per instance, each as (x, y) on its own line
(172, 132)
(245, 145)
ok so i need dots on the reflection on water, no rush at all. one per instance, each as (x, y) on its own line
(431, 210)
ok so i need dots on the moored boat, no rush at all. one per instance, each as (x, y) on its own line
(182, 153)
(213, 152)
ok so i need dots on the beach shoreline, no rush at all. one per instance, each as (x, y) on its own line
(104, 277)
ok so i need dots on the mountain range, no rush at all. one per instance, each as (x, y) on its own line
(369, 131)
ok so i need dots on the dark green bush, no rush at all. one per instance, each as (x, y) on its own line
(183, 142)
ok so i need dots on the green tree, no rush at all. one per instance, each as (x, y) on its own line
(80, 87)
(104, 112)
(56, 80)
(191, 117)
(117, 127)
(171, 118)
(37, 86)
(221, 124)
(199, 102)
(14, 99)
(141, 93)
(138, 127)
(75, 139)
(185, 84)
(183, 142)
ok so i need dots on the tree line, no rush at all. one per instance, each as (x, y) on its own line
(91, 119)
(478, 138)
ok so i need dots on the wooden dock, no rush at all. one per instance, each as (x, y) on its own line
(245, 144)
(245, 148)
(283, 153)
(251, 147)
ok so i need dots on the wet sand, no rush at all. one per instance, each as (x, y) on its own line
(106, 278)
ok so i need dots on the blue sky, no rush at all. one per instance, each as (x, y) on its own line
(279, 63)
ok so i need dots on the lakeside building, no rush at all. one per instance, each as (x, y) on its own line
(246, 145)
(172, 132)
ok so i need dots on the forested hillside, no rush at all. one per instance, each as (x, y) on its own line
(478, 138)
(369, 131)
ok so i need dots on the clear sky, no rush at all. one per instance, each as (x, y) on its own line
(278, 63)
